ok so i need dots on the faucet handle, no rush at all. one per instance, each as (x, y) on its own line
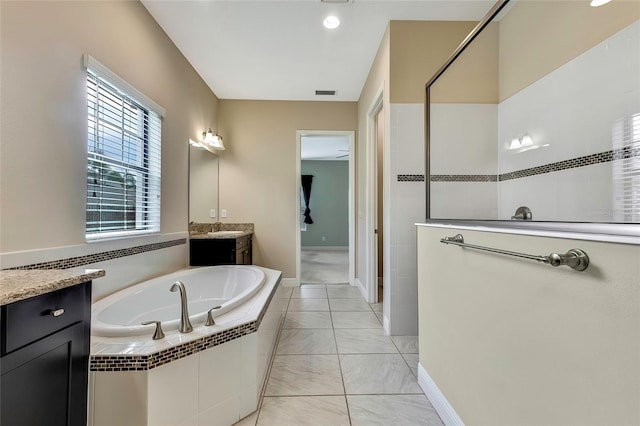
(158, 334)
(210, 320)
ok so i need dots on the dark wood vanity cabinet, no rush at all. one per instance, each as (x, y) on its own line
(44, 358)
(220, 251)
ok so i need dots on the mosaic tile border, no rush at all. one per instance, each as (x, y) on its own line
(587, 160)
(410, 178)
(74, 262)
(464, 178)
(151, 361)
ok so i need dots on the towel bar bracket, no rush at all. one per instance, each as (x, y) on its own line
(575, 258)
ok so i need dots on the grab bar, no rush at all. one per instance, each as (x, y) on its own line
(574, 258)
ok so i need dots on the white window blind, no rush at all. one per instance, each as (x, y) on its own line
(123, 157)
(626, 170)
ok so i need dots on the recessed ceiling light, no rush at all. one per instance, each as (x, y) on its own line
(331, 22)
(596, 3)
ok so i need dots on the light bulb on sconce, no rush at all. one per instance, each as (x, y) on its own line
(523, 142)
(212, 139)
(526, 141)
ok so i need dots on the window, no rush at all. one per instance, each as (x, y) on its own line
(626, 169)
(123, 157)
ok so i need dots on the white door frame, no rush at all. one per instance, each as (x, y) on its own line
(371, 198)
(351, 201)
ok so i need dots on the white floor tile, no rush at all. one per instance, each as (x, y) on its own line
(293, 375)
(307, 320)
(298, 341)
(308, 293)
(397, 410)
(307, 305)
(377, 374)
(355, 320)
(406, 344)
(349, 305)
(304, 411)
(364, 341)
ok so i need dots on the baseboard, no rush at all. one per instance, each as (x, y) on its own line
(363, 289)
(443, 408)
(290, 282)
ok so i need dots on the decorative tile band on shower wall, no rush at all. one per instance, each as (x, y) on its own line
(410, 178)
(74, 262)
(587, 160)
(464, 178)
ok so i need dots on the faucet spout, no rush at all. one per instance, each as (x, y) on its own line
(185, 324)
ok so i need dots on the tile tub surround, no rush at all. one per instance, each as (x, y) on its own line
(202, 384)
(16, 285)
(340, 376)
(201, 230)
(139, 353)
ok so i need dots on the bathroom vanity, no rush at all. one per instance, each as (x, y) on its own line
(225, 249)
(218, 243)
(44, 346)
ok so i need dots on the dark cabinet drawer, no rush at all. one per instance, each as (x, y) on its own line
(28, 320)
(220, 251)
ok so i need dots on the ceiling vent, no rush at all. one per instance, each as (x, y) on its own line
(326, 92)
(336, 1)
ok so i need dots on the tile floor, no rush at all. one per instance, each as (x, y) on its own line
(334, 365)
(324, 266)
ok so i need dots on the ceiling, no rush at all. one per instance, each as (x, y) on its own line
(279, 50)
(325, 148)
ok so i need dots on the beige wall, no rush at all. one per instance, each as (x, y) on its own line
(418, 49)
(537, 37)
(377, 80)
(44, 124)
(511, 342)
(203, 185)
(473, 77)
(258, 170)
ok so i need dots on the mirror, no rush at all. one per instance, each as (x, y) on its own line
(539, 107)
(203, 185)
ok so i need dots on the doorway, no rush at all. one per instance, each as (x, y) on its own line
(379, 173)
(326, 233)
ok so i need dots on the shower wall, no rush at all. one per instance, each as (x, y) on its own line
(463, 172)
(565, 142)
(584, 123)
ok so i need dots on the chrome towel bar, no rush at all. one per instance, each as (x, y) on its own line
(574, 258)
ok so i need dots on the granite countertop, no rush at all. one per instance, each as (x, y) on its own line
(223, 235)
(219, 231)
(16, 285)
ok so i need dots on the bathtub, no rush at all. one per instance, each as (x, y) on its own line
(122, 313)
(212, 375)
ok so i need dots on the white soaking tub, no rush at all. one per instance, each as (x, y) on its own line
(122, 313)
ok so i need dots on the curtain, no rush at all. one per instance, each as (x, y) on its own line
(306, 192)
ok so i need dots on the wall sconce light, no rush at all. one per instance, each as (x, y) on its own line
(526, 141)
(522, 142)
(213, 140)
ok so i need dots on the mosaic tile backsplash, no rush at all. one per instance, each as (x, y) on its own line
(74, 262)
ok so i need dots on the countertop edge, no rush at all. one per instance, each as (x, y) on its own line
(219, 237)
(18, 285)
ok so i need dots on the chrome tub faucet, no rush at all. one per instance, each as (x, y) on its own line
(185, 324)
